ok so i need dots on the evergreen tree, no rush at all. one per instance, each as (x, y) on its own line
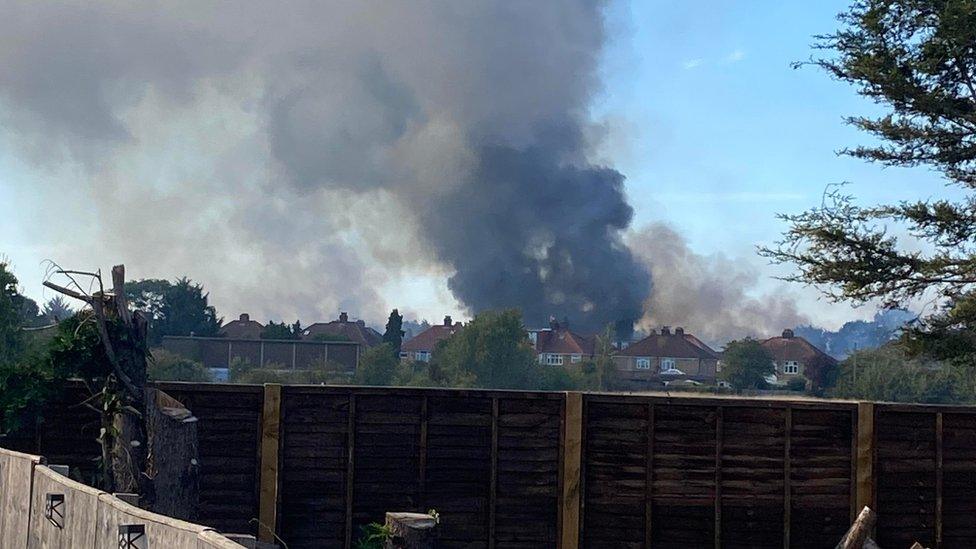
(917, 59)
(393, 336)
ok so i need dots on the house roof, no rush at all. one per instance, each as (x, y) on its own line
(429, 338)
(356, 331)
(564, 342)
(672, 345)
(792, 347)
(242, 328)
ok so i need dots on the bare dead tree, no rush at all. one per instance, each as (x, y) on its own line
(148, 439)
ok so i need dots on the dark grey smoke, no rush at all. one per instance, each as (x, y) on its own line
(331, 144)
(526, 230)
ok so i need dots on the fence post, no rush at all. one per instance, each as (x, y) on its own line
(570, 457)
(270, 436)
(865, 457)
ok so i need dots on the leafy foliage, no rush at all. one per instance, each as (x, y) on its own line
(274, 330)
(373, 536)
(167, 366)
(11, 304)
(889, 374)
(243, 371)
(915, 57)
(746, 364)
(377, 366)
(178, 308)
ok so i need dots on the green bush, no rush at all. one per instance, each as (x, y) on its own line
(166, 366)
(797, 384)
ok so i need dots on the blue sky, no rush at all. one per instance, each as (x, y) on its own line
(720, 132)
(714, 130)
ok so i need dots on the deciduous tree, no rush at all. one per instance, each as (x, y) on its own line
(746, 364)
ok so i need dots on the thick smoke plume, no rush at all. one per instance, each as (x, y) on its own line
(299, 155)
(712, 296)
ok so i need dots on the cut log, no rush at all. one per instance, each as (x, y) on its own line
(860, 531)
(411, 530)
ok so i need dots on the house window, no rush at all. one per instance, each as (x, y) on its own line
(667, 364)
(422, 356)
(554, 359)
(791, 367)
(643, 363)
(577, 358)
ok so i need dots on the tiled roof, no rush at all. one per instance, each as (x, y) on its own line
(356, 331)
(242, 328)
(429, 338)
(564, 342)
(792, 347)
(671, 345)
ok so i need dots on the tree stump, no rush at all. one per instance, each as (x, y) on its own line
(411, 531)
(173, 461)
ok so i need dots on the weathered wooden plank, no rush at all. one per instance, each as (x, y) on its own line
(865, 458)
(719, 438)
(493, 476)
(649, 479)
(787, 484)
(570, 449)
(350, 467)
(270, 445)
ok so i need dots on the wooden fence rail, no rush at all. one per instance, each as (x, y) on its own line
(313, 464)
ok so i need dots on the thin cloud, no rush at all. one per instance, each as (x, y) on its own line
(736, 56)
(692, 63)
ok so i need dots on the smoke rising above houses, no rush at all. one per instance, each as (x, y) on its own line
(305, 153)
(717, 297)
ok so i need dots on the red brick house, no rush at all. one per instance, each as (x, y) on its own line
(343, 330)
(242, 328)
(793, 356)
(664, 357)
(421, 346)
(558, 345)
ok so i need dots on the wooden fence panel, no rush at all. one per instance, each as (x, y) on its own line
(228, 430)
(684, 486)
(959, 479)
(527, 486)
(458, 467)
(387, 451)
(314, 454)
(752, 474)
(821, 474)
(906, 477)
(615, 474)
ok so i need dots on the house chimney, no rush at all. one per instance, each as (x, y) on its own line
(343, 317)
(679, 331)
(245, 317)
(787, 333)
(553, 323)
(665, 330)
(448, 321)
